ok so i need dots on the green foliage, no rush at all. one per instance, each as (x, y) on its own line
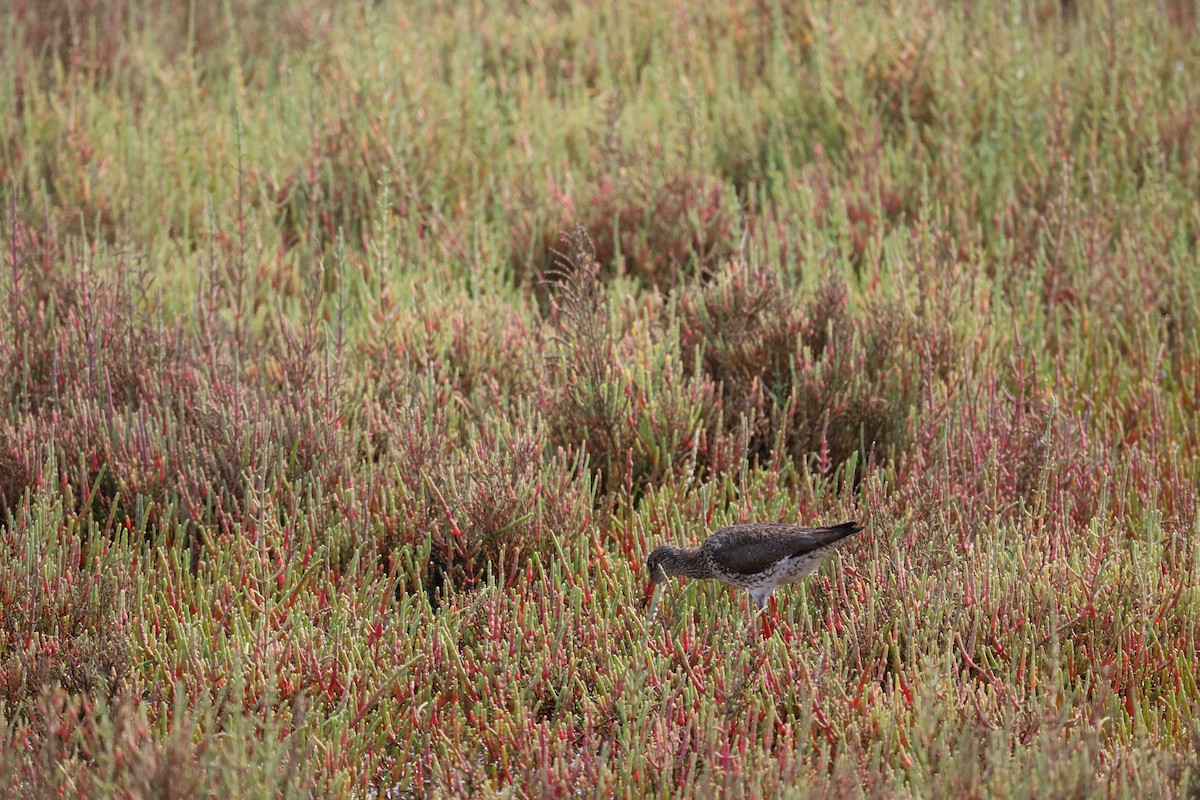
(353, 356)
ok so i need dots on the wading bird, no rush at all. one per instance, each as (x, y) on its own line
(758, 557)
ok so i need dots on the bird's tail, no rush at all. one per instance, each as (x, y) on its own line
(837, 532)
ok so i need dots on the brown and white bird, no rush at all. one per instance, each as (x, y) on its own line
(758, 557)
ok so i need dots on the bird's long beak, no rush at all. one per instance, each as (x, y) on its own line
(649, 592)
(653, 587)
(650, 601)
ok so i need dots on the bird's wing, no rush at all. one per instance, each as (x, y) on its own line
(748, 549)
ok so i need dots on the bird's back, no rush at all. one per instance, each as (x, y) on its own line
(753, 548)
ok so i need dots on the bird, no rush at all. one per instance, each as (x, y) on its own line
(758, 557)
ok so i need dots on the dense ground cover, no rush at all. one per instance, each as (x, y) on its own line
(353, 356)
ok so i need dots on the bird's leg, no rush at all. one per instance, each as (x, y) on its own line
(768, 629)
(750, 621)
(787, 630)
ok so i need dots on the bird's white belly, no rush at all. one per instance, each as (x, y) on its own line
(785, 570)
(793, 568)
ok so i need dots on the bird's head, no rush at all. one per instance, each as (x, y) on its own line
(659, 562)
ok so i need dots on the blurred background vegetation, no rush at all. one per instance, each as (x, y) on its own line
(353, 356)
